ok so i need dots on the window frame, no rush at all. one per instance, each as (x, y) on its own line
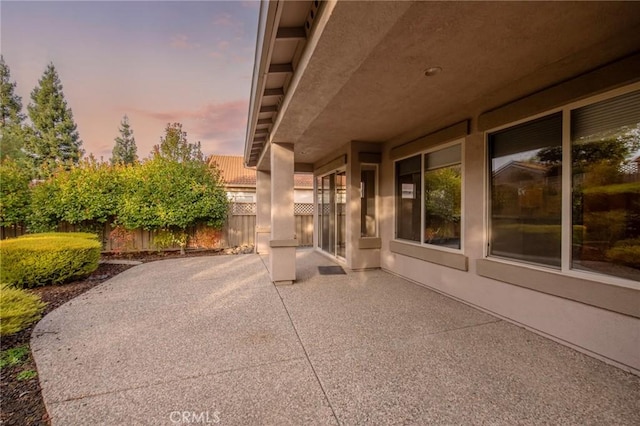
(375, 167)
(566, 217)
(422, 154)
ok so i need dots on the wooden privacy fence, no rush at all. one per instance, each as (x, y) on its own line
(239, 230)
(241, 224)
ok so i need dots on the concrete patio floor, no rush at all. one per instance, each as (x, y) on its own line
(211, 339)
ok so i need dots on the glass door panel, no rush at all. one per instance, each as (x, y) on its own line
(328, 214)
(332, 210)
(319, 195)
(341, 214)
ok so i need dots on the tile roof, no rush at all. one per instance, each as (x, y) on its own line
(235, 174)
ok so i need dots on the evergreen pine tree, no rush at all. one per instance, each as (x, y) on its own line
(11, 116)
(54, 137)
(125, 150)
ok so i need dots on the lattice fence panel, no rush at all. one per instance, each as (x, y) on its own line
(303, 209)
(243, 209)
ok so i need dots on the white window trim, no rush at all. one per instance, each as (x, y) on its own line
(422, 153)
(565, 253)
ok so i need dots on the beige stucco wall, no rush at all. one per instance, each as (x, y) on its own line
(600, 318)
(361, 253)
(602, 333)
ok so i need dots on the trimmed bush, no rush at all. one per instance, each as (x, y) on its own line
(38, 261)
(18, 309)
(626, 252)
(87, 235)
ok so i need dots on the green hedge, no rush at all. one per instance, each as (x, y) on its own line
(87, 235)
(18, 309)
(626, 252)
(38, 261)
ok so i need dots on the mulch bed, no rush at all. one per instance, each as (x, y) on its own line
(22, 402)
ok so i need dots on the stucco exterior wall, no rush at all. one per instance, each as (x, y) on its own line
(610, 336)
(602, 333)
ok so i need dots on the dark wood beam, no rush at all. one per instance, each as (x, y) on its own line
(303, 167)
(280, 68)
(274, 92)
(291, 33)
(269, 108)
(264, 121)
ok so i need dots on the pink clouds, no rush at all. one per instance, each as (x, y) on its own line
(224, 20)
(219, 126)
(251, 4)
(221, 46)
(231, 23)
(181, 41)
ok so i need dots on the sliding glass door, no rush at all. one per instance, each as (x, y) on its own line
(332, 197)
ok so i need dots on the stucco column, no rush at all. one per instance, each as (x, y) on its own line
(263, 211)
(282, 253)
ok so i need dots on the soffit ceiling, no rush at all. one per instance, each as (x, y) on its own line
(365, 80)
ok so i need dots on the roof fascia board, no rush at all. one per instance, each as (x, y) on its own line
(268, 19)
(312, 42)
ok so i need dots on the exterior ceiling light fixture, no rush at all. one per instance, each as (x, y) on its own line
(430, 72)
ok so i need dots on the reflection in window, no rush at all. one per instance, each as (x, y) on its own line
(605, 150)
(408, 190)
(368, 221)
(526, 191)
(442, 197)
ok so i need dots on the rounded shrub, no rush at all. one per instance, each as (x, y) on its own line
(87, 235)
(626, 252)
(48, 259)
(18, 309)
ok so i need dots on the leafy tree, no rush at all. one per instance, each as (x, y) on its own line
(174, 146)
(171, 195)
(55, 137)
(11, 116)
(613, 147)
(443, 189)
(15, 196)
(125, 150)
(442, 195)
(46, 196)
(89, 192)
(85, 195)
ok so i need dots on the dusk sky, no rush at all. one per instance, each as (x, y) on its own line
(156, 61)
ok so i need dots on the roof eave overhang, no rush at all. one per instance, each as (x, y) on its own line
(267, 28)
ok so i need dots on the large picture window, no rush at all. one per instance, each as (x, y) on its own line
(428, 198)
(526, 192)
(368, 218)
(605, 158)
(442, 197)
(596, 228)
(408, 190)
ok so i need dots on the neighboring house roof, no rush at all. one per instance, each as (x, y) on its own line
(235, 174)
(533, 167)
(232, 170)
